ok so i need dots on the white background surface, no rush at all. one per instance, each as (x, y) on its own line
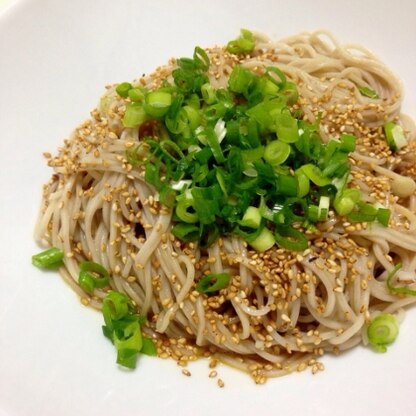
(55, 58)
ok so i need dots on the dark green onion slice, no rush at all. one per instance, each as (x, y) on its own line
(123, 89)
(201, 58)
(251, 218)
(363, 212)
(290, 238)
(185, 210)
(382, 331)
(395, 136)
(185, 232)
(148, 347)
(128, 340)
(157, 103)
(264, 241)
(240, 80)
(398, 289)
(368, 92)
(345, 201)
(134, 115)
(303, 183)
(287, 128)
(213, 282)
(276, 152)
(383, 216)
(243, 44)
(91, 276)
(222, 143)
(123, 328)
(348, 142)
(136, 94)
(48, 259)
(315, 174)
(115, 306)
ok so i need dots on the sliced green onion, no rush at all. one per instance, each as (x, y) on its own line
(214, 144)
(363, 212)
(185, 232)
(240, 79)
(286, 128)
(315, 174)
(303, 183)
(382, 331)
(134, 115)
(167, 196)
(279, 73)
(148, 347)
(183, 213)
(290, 91)
(395, 136)
(290, 238)
(127, 338)
(152, 174)
(123, 89)
(348, 142)
(208, 93)
(313, 213)
(213, 282)
(286, 185)
(193, 116)
(206, 203)
(398, 289)
(122, 327)
(251, 218)
(91, 276)
(368, 92)
(157, 103)
(243, 44)
(268, 87)
(345, 201)
(261, 114)
(115, 306)
(276, 152)
(201, 58)
(48, 259)
(264, 241)
(136, 94)
(222, 143)
(383, 216)
(323, 208)
(343, 206)
(171, 150)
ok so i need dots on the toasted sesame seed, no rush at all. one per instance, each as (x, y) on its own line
(186, 372)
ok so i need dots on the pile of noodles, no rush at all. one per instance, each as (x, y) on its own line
(282, 309)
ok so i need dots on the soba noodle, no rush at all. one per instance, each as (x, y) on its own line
(282, 309)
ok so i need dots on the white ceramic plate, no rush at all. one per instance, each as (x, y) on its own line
(55, 58)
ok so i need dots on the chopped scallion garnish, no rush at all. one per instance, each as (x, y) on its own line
(243, 44)
(213, 282)
(91, 276)
(398, 289)
(48, 259)
(368, 92)
(123, 89)
(395, 136)
(123, 328)
(240, 160)
(382, 331)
